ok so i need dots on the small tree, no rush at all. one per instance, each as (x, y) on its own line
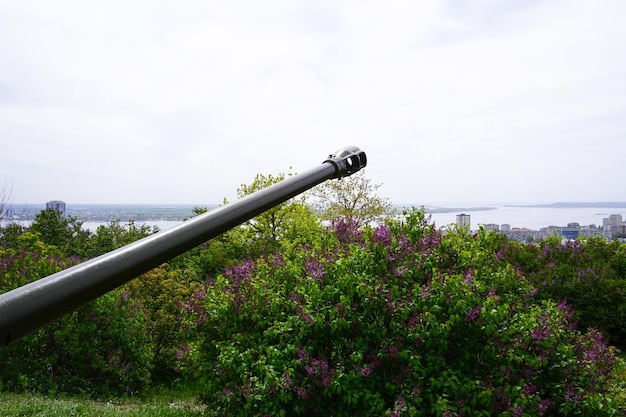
(116, 234)
(290, 222)
(352, 198)
(5, 195)
(66, 233)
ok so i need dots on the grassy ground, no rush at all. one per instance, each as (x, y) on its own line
(22, 405)
(161, 402)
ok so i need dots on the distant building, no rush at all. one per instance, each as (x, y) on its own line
(56, 205)
(522, 234)
(593, 230)
(463, 221)
(490, 226)
(615, 220)
(572, 231)
(614, 226)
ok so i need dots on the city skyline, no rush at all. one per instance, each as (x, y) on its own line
(498, 218)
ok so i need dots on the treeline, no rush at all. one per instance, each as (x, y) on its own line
(285, 316)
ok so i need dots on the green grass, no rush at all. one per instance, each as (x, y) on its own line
(22, 405)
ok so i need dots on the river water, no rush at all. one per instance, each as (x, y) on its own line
(533, 218)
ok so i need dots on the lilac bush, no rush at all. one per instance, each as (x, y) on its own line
(590, 274)
(401, 319)
(101, 349)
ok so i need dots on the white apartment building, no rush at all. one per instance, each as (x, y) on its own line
(463, 221)
(56, 205)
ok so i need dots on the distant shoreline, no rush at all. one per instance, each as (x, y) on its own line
(457, 209)
(612, 204)
(431, 208)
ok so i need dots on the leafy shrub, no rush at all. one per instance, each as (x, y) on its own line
(160, 294)
(397, 320)
(590, 274)
(101, 349)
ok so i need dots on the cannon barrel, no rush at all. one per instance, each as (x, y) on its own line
(27, 308)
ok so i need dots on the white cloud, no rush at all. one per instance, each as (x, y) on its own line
(167, 102)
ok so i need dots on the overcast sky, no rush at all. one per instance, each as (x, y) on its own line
(156, 101)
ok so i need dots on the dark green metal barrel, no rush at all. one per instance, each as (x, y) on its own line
(31, 306)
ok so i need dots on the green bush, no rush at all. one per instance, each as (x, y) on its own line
(101, 349)
(589, 274)
(160, 294)
(397, 320)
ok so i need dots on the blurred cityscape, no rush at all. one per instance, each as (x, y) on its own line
(613, 227)
(104, 212)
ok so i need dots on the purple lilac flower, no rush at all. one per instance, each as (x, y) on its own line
(473, 314)
(347, 231)
(564, 306)
(340, 310)
(399, 402)
(517, 411)
(393, 351)
(239, 273)
(382, 235)
(399, 272)
(314, 268)
(403, 243)
(302, 393)
(540, 334)
(543, 406)
(277, 260)
(571, 396)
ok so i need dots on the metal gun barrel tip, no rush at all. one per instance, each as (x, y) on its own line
(347, 161)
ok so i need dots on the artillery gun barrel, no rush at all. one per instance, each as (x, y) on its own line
(27, 308)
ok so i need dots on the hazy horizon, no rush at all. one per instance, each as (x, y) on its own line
(601, 204)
